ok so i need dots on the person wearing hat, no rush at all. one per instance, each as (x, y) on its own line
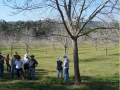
(32, 64)
(59, 67)
(13, 66)
(25, 63)
(66, 67)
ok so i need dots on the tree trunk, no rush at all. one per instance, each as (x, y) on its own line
(65, 50)
(96, 44)
(106, 49)
(54, 47)
(11, 50)
(27, 49)
(76, 62)
(46, 48)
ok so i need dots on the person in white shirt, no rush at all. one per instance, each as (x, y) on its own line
(19, 69)
(26, 63)
(66, 67)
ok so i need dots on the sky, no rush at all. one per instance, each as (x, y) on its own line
(6, 14)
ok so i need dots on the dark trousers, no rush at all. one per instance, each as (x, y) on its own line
(13, 70)
(8, 67)
(31, 73)
(66, 74)
(1, 70)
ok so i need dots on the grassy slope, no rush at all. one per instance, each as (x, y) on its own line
(98, 71)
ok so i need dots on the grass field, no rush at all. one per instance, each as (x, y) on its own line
(98, 71)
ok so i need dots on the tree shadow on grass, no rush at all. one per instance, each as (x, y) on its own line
(41, 72)
(115, 54)
(30, 85)
(42, 82)
(105, 83)
(38, 73)
(92, 59)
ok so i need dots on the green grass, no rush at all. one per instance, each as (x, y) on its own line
(98, 71)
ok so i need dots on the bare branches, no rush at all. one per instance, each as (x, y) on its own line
(95, 12)
(91, 30)
(111, 7)
(62, 15)
(27, 5)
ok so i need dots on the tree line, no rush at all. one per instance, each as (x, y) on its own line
(53, 33)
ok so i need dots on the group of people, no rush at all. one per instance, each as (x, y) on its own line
(63, 66)
(28, 63)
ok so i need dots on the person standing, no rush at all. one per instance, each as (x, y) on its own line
(1, 66)
(7, 63)
(66, 67)
(59, 67)
(19, 70)
(2, 56)
(13, 72)
(25, 63)
(32, 64)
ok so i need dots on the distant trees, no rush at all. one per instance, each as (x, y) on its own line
(23, 32)
(106, 37)
(9, 36)
(94, 39)
(11, 42)
(62, 37)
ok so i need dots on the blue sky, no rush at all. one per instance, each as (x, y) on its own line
(6, 13)
(29, 15)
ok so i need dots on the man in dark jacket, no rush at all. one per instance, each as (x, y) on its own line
(32, 64)
(59, 67)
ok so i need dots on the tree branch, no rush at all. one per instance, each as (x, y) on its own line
(92, 16)
(61, 13)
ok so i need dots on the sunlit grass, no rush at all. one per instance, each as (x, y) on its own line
(98, 71)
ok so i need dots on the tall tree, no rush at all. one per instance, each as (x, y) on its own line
(75, 15)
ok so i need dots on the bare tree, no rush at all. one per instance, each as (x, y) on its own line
(75, 15)
(108, 37)
(74, 26)
(62, 37)
(105, 37)
(94, 39)
(45, 42)
(11, 42)
(26, 39)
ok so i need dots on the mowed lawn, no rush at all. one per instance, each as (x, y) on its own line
(98, 71)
